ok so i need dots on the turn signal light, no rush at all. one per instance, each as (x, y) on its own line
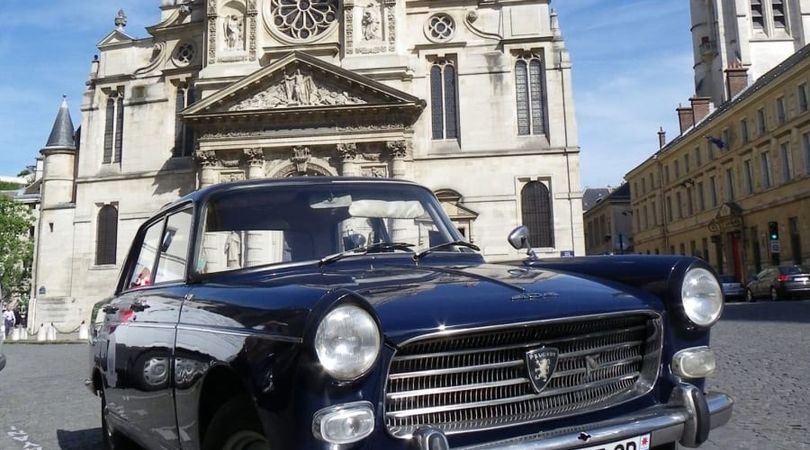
(696, 362)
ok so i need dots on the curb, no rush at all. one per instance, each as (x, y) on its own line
(60, 342)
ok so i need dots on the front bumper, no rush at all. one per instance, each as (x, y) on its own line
(687, 419)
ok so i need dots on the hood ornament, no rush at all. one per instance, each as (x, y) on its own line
(540, 365)
(530, 296)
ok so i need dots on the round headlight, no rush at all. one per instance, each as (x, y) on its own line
(347, 342)
(702, 297)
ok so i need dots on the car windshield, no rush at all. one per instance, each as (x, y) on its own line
(280, 224)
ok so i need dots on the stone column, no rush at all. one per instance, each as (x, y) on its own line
(255, 163)
(399, 154)
(348, 157)
(208, 162)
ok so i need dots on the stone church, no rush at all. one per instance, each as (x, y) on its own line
(470, 98)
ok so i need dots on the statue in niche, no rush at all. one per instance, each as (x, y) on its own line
(371, 22)
(233, 32)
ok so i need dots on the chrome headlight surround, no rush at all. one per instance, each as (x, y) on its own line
(348, 342)
(701, 297)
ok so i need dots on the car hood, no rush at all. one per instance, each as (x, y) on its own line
(412, 300)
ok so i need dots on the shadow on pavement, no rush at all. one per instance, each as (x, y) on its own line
(783, 311)
(89, 439)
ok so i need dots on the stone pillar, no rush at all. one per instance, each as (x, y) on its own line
(348, 157)
(255, 162)
(208, 162)
(399, 154)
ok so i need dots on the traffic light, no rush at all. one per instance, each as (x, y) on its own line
(773, 231)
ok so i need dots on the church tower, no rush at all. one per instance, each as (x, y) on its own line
(55, 240)
(752, 35)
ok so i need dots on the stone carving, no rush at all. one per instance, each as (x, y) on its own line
(301, 156)
(232, 27)
(371, 22)
(398, 149)
(254, 157)
(375, 171)
(206, 158)
(230, 177)
(347, 152)
(120, 20)
(392, 25)
(297, 89)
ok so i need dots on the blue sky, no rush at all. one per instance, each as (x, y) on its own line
(632, 66)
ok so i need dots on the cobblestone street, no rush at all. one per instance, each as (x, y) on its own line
(762, 353)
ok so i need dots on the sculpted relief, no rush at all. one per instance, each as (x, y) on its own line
(297, 88)
(232, 28)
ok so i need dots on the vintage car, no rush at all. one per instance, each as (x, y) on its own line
(349, 313)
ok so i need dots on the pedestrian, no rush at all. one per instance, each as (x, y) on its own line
(8, 320)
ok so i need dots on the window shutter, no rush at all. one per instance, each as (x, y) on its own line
(450, 100)
(536, 212)
(538, 103)
(106, 235)
(522, 94)
(437, 102)
(109, 127)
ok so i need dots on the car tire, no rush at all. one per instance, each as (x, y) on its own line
(749, 296)
(111, 439)
(235, 426)
(774, 295)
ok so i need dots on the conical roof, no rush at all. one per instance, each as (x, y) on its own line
(62, 132)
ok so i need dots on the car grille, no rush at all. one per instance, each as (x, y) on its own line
(479, 379)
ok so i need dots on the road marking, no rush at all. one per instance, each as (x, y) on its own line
(21, 436)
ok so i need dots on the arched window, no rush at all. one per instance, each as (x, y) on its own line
(530, 93)
(536, 207)
(114, 128)
(443, 100)
(106, 235)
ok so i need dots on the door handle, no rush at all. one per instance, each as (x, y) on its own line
(138, 306)
(109, 309)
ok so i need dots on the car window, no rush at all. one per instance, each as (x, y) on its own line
(727, 279)
(142, 274)
(792, 270)
(174, 248)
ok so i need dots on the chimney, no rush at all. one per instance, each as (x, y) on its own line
(662, 138)
(685, 117)
(700, 107)
(736, 79)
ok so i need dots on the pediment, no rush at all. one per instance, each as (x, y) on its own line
(729, 209)
(296, 82)
(116, 37)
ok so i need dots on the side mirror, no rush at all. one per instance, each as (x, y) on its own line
(519, 237)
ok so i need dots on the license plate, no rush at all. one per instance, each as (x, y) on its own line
(636, 443)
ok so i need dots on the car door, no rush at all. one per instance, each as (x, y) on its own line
(147, 314)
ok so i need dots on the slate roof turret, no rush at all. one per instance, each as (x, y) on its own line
(62, 134)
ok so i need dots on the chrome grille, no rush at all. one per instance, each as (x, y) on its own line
(478, 380)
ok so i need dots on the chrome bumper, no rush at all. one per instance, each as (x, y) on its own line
(686, 419)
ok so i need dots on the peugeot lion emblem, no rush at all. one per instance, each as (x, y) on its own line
(541, 363)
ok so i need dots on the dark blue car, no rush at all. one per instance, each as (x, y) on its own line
(348, 313)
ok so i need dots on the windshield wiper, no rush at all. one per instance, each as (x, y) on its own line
(430, 250)
(379, 246)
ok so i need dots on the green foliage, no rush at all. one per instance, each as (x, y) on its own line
(9, 186)
(16, 249)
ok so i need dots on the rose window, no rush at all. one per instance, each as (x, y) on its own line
(441, 27)
(303, 19)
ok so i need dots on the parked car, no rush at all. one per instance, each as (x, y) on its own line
(777, 283)
(323, 313)
(732, 288)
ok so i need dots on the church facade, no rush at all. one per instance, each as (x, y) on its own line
(472, 99)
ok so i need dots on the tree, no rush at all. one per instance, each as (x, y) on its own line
(16, 250)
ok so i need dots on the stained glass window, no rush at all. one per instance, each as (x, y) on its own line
(530, 96)
(536, 211)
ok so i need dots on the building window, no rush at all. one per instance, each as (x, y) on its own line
(781, 114)
(787, 162)
(652, 181)
(690, 203)
(757, 16)
(654, 211)
(730, 194)
(713, 191)
(698, 161)
(762, 123)
(779, 17)
(536, 210)
(744, 131)
(803, 105)
(704, 243)
(183, 134)
(701, 200)
(806, 147)
(643, 185)
(766, 170)
(114, 128)
(666, 174)
(444, 100)
(795, 241)
(678, 207)
(531, 104)
(106, 235)
(645, 217)
(677, 169)
(669, 209)
(686, 163)
(749, 177)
